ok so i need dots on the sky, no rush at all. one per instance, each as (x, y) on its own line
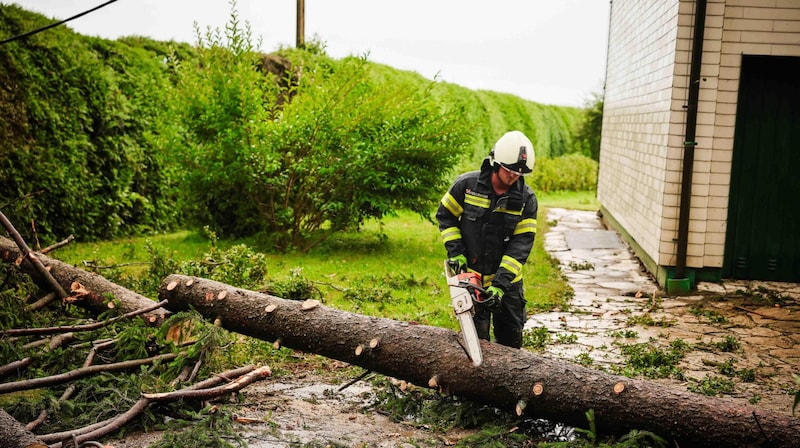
(547, 51)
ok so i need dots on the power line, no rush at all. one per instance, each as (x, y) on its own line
(53, 25)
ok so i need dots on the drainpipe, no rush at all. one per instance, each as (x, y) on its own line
(689, 142)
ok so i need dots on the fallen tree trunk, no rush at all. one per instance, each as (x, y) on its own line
(87, 290)
(509, 379)
(14, 435)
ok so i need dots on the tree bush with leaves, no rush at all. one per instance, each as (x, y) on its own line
(343, 147)
(80, 117)
(591, 125)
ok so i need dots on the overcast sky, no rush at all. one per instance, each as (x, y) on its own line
(548, 51)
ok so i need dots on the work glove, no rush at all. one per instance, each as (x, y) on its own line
(458, 263)
(495, 296)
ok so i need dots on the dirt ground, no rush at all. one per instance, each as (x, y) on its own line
(314, 410)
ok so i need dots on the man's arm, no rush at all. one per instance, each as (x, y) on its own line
(451, 207)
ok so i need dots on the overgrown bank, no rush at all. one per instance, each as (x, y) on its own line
(113, 138)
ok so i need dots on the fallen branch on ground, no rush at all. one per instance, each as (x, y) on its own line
(83, 327)
(82, 372)
(200, 390)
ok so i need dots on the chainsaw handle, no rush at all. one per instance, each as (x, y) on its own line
(454, 267)
(479, 289)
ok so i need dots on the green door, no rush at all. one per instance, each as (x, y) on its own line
(763, 233)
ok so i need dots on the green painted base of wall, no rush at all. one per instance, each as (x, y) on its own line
(664, 275)
(679, 286)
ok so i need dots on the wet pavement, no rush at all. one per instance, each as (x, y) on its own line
(741, 337)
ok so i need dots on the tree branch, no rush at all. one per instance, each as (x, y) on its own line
(27, 253)
(80, 373)
(245, 376)
(85, 327)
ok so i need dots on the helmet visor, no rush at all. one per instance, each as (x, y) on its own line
(520, 169)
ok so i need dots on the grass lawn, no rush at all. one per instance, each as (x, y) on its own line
(391, 269)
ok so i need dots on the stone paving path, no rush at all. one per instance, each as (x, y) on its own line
(739, 334)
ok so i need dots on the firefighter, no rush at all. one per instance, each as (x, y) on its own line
(488, 223)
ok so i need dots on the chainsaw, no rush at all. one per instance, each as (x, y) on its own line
(466, 289)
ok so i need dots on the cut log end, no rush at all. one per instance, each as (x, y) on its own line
(538, 388)
(374, 343)
(277, 344)
(270, 308)
(222, 295)
(520, 408)
(218, 322)
(359, 350)
(434, 382)
(619, 388)
(309, 304)
(190, 282)
(172, 285)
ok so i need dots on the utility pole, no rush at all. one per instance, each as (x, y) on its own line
(301, 23)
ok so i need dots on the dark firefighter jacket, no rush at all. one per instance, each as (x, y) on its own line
(496, 233)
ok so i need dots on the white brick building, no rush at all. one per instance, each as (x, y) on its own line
(740, 139)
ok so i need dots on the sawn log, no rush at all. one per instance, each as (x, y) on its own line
(90, 291)
(510, 379)
(14, 435)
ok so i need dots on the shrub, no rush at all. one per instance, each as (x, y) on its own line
(344, 148)
(572, 172)
(78, 122)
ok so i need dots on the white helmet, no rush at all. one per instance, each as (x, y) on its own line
(513, 151)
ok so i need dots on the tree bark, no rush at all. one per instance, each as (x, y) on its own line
(14, 435)
(90, 291)
(510, 379)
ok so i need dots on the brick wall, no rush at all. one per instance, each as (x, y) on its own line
(644, 118)
(636, 117)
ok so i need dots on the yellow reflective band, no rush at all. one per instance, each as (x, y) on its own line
(487, 280)
(451, 233)
(513, 266)
(507, 211)
(477, 201)
(525, 226)
(452, 205)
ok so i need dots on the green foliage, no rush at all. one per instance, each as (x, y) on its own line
(710, 315)
(79, 123)
(536, 338)
(15, 285)
(210, 427)
(346, 147)
(239, 266)
(729, 344)
(590, 127)
(588, 438)
(294, 287)
(572, 172)
(652, 361)
(427, 407)
(712, 385)
(111, 138)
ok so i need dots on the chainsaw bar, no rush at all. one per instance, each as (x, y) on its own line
(464, 309)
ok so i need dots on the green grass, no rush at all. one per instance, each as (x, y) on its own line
(392, 270)
(573, 200)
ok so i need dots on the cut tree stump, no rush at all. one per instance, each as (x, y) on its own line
(510, 379)
(87, 290)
